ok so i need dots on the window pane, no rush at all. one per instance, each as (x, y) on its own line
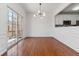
(14, 15)
(10, 12)
(14, 30)
(10, 34)
(14, 20)
(10, 27)
(10, 19)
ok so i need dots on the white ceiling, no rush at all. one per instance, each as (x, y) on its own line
(70, 7)
(46, 7)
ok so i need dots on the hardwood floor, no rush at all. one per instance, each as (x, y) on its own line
(41, 46)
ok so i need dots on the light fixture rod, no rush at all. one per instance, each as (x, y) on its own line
(40, 7)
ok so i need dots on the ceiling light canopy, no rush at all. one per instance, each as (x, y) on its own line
(39, 12)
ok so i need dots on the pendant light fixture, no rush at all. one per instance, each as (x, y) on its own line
(39, 12)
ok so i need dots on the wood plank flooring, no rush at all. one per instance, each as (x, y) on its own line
(41, 46)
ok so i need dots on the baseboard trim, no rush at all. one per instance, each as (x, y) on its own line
(3, 52)
(40, 36)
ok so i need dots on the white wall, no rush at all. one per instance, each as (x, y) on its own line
(4, 23)
(39, 27)
(68, 35)
(3, 29)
